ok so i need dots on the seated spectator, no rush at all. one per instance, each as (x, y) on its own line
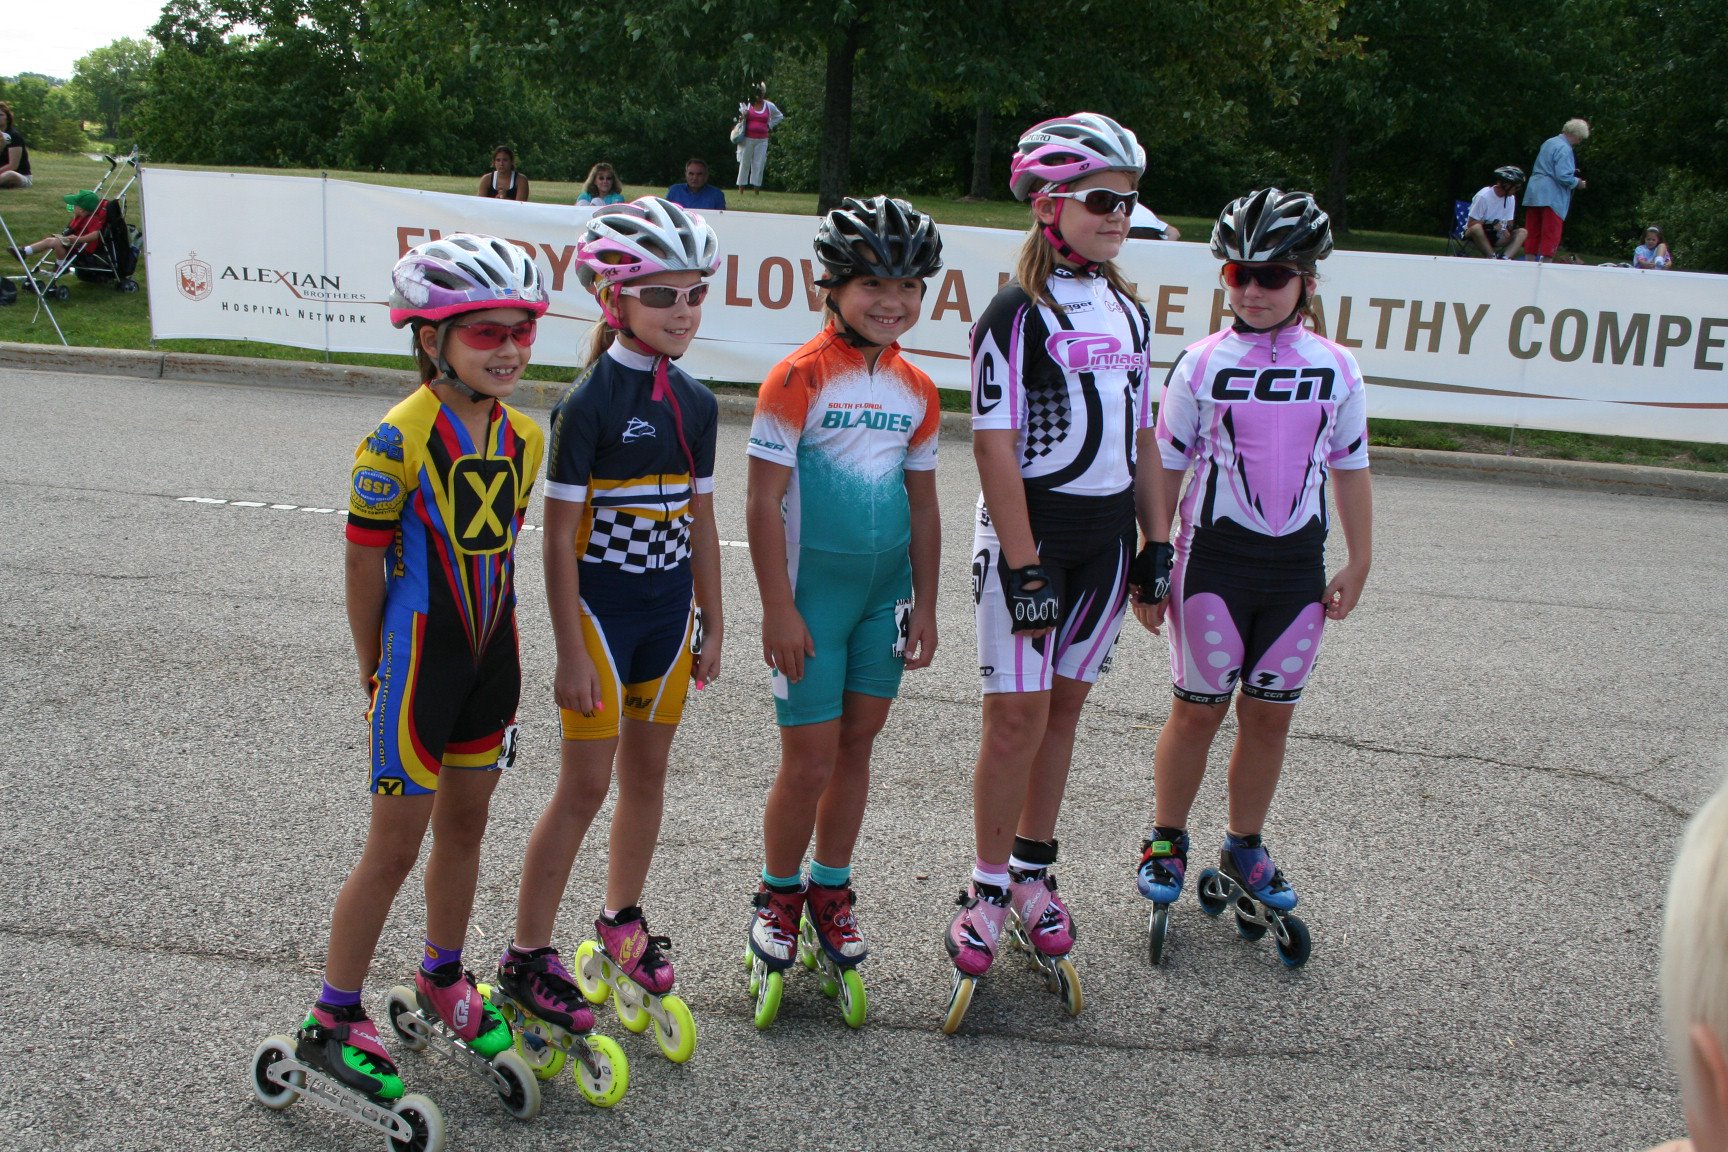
(1143, 224)
(89, 214)
(601, 187)
(14, 153)
(1694, 979)
(1653, 253)
(1490, 225)
(696, 192)
(504, 182)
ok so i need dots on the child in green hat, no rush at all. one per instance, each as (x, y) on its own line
(89, 214)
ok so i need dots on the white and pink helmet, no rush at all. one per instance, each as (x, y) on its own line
(629, 241)
(1063, 150)
(460, 273)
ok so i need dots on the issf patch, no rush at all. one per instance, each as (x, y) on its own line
(377, 492)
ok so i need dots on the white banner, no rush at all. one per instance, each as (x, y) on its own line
(306, 262)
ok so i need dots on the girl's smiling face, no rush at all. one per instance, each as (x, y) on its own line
(667, 331)
(1094, 238)
(880, 310)
(492, 371)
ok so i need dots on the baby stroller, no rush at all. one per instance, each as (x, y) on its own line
(107, 255)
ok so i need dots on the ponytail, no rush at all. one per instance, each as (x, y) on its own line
(603, 334)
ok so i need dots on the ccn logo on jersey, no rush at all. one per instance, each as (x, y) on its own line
(483, 496)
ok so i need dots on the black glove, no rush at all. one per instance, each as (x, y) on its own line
(1031, 609)
(1150, 572)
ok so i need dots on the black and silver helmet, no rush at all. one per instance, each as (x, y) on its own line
(1270, 225)
(880, 236)
(1510, 173)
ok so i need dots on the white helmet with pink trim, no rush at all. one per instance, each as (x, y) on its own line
(1063, 150)
(629, 241)
(460, 273)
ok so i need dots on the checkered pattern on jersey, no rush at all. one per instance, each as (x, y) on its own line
(1048, 420)
(635, 543)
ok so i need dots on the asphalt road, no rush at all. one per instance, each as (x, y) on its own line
(1481, 801)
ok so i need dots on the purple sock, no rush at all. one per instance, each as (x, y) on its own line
(437, 957)
(338, 997)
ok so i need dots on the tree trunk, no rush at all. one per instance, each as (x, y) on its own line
(836, 152)
(981, 137)
(1335, 183)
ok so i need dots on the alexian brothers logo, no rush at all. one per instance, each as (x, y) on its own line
(192, 276)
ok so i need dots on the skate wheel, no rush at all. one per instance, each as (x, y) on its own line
(1214, 897)
(808, 945)
(755, 975)
(1294, 943)
(604, 1084)
(1068, 985)
(520, 1090)
(853, 1003)
(830, 986)
(425, 1125)
(534, 1045)
(403, 1010)
(275, 1050)
(590, 977)
(1249, 930)
(676, 1033)
(959, 1000)
(771, 986)
(1157, 931)
(632, 1013)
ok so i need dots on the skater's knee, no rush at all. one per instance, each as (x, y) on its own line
(1191, 721)
(805, 775)
(1264, 720)
(580, 794)
(1014, 724)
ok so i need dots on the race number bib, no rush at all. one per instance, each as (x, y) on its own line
(902, 627)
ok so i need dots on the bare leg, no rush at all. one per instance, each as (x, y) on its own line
(1262, 730)
(1179, 763)
(453, 866)
(807, 756)
(643, 750)
(841, 812)
(584, 776)
(1049, 775)
(1013, 733)
(392, 846)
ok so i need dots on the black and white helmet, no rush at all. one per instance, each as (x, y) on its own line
(880, 236)
(1065, 149)
(1270, 225)
(1510, 173)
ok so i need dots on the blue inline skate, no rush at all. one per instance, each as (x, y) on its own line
(1247, 881)
(1163, 867)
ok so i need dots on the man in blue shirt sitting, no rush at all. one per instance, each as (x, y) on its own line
(696, 192)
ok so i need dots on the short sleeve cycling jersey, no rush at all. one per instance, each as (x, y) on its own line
(1263, 417)
(849, 435)
(449, 508)
(1066, 378)
(634, 457)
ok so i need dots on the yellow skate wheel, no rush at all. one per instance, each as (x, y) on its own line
(590, 978)
(632, 1013)
(959, 1000)
(853, 1004)
(768, 993)
(677, 1034)
(604, 1084)
(1068, 983)
(808, 945)
(534, 1045)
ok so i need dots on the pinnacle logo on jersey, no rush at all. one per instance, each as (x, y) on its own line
(1274, 385)
(484, 492)
(989, 391)
(386, 442)
(637, 429)
(1092, 352)
(878, 420)
(378, 491)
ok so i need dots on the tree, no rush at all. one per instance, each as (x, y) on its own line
(111, 81)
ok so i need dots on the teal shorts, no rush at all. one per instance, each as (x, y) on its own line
(857, 608)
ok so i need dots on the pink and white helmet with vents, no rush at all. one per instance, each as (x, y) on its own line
(629, 241)
(1063, 150)
(463, 272)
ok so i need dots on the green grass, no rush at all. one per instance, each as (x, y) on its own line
(96, 316)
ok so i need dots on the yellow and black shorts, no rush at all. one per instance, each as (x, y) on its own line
(639, 640)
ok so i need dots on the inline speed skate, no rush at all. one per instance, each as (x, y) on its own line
(773, 943)
(337, 1062)
(1163, 866)
(551, 1021)
(1247, 881)
(971, 942)
(630, 965)
(829, 941)
(444, 1008)
(1040, 929)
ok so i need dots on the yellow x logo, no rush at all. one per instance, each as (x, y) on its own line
(486, 516)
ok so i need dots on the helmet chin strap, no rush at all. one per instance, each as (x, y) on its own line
(447, 375)
(614, 320)
(1082, 265)
(847, 332)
